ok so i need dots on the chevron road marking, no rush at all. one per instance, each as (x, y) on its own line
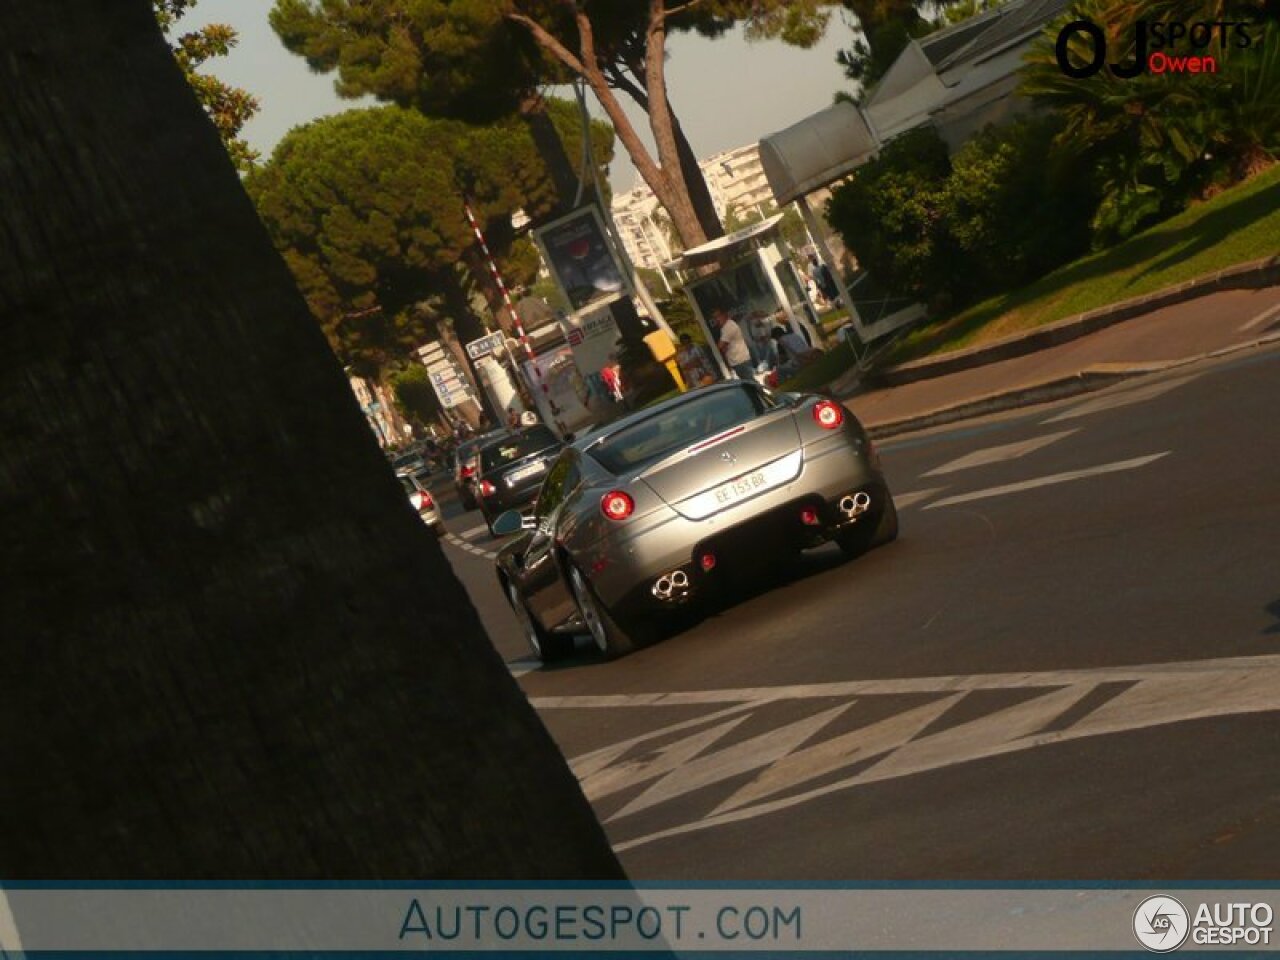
(1008, 451)
(1048, 481)
(912, 497)
(677, 759)
(1122, 399)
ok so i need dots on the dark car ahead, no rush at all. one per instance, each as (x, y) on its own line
(511, 469)
(464, 466)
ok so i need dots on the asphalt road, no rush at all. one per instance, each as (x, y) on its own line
(1068, 666)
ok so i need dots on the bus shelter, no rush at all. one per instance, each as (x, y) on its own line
(750, 275)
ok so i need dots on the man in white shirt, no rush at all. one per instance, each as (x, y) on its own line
(732, 344)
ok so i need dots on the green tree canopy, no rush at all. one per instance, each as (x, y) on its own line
(367, 209)
(230, 108)
(476, 58)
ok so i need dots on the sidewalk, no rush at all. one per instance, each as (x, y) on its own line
(1185, 331)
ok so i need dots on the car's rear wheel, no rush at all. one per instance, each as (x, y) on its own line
(863, 536)
(546, 646)
(610, 637)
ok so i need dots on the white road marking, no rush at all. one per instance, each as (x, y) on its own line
(1070, 475)
(1007, 451)
(470, 548)
(474, 532)
(742, 757)
(795, 752)
(901, 685)
(10, 945)
(1122, 399)
(904, 500)
(1261, 318)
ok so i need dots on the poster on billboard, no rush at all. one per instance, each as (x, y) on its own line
(581, 258)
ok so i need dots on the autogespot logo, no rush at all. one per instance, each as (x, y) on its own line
(1161, 923)
(1158, 47)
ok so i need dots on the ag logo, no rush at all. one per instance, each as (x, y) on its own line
(1161, 924)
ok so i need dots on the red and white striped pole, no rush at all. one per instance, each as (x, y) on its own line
(506, 301)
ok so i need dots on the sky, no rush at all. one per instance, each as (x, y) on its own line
(726, 92)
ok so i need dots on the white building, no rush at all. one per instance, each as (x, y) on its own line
(736, 181)
(635, 214)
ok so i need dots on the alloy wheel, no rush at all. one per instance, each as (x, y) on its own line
(590, 615)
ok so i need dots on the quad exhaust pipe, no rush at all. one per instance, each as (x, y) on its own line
(671, 586)
(854, 505)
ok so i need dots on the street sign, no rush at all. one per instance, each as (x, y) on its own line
(485, 345)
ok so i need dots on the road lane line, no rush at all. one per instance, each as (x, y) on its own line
(1122, 399)
(999, 454)
(912, 497)
(474, 532)
(1000, 491)
(1261, 318)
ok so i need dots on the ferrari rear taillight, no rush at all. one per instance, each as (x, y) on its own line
(467, 470)
(487, 489)
(617, 505)
(421, 501)
(827, 414)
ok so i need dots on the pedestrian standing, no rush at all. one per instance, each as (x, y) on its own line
(733, 345)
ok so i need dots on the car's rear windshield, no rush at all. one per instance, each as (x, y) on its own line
(515, 447)
(652, 439)
(468, 447)
(406, 460)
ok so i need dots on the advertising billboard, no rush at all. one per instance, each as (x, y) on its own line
(581, 258)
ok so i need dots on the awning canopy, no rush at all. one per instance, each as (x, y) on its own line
(816, 151)
(727, 247)
(958, 79)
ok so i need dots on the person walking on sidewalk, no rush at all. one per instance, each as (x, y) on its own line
(733, 345)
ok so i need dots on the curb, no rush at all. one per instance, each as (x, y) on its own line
(1254, 274)
(1088, 380)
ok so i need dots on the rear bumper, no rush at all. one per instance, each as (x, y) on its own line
(627, 565)
(504, 500)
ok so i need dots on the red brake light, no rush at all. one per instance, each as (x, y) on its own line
(617, 505)
(828, 415)
(426, 503)
(487, 489)
(468, 470)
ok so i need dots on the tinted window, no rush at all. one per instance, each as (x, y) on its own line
(664, 433)
(516, 447)
(469, 447)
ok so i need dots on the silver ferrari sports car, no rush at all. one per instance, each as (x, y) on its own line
(649, 512)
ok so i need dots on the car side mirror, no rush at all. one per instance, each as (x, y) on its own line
(508, 523)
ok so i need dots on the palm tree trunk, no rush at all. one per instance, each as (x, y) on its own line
(229, 649)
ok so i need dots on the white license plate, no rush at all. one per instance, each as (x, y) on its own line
(742, 487)
(515, 476)
(776, 474)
